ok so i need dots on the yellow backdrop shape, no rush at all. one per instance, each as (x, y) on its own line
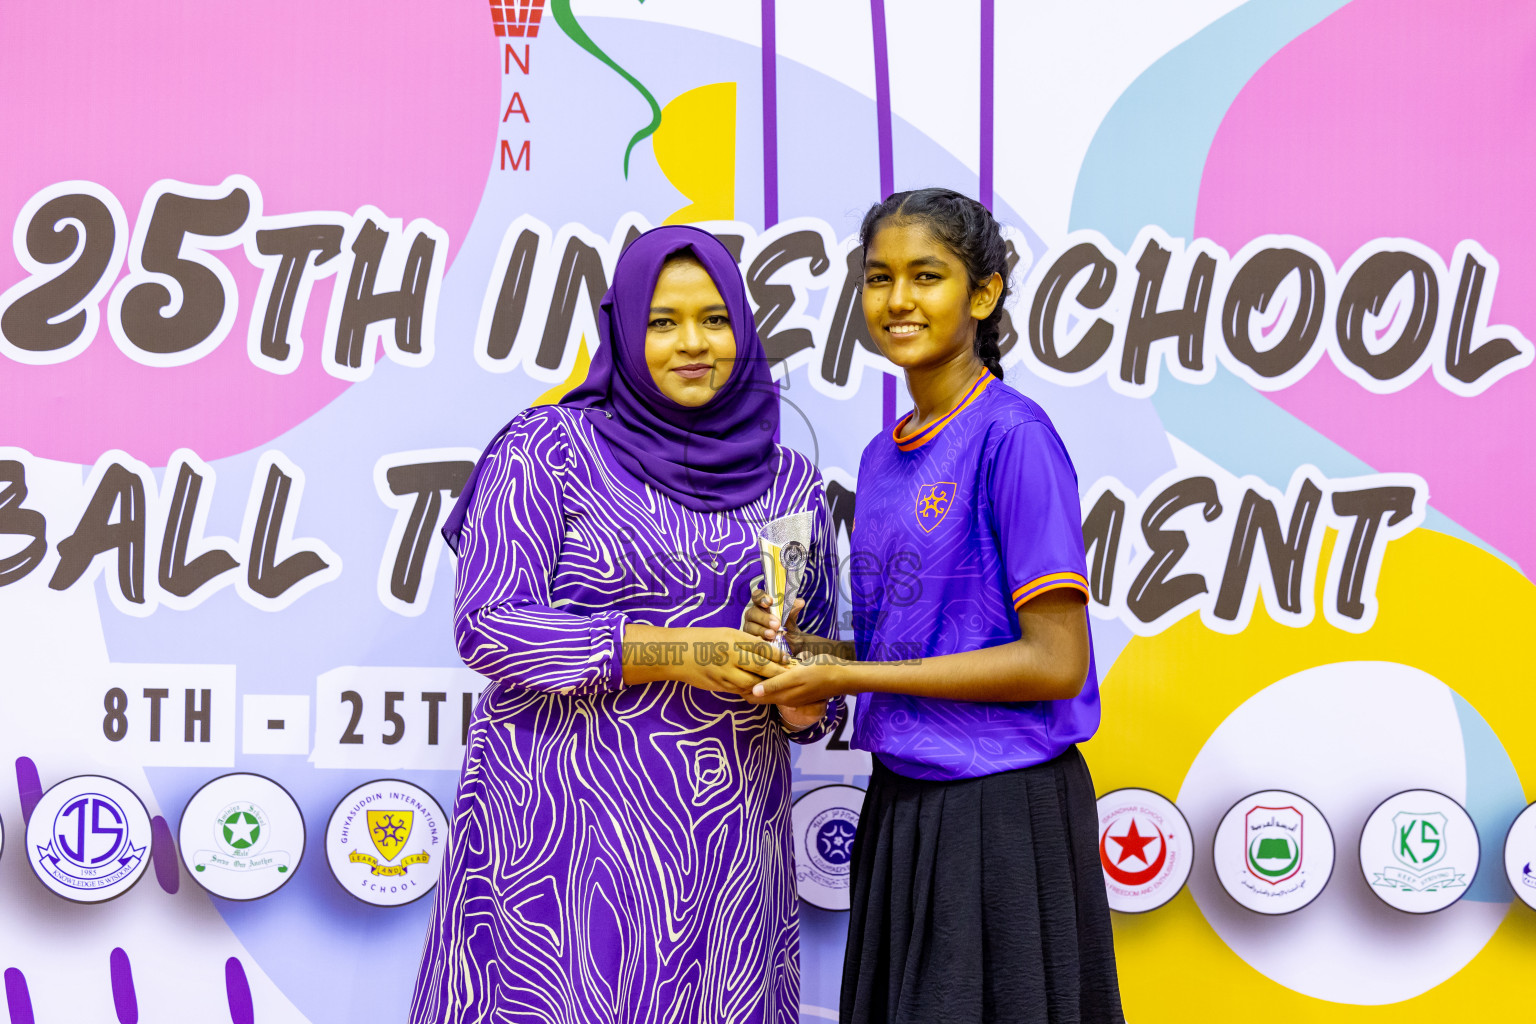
(696, 149)
(1447, 608)
(577, 375)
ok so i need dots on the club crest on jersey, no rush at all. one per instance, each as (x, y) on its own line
(933, 501)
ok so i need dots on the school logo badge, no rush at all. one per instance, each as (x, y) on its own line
(88, 839)
(1519, 852)
(1418, 851)
(390, 831)
(1145, 849)
(241, 836)
(1420, 838)
(1273, 852)
(1275, 838)
(933, 501)
(385, 842)
(824, 822)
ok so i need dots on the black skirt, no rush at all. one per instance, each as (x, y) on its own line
(980, 900)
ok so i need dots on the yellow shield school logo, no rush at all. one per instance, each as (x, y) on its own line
(389, 830)
(933, 503)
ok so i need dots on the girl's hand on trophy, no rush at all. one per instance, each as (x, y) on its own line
(759, 619)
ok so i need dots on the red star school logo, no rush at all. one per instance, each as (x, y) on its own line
(933, 501)
(1130, 864)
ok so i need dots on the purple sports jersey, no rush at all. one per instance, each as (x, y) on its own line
(957, 526)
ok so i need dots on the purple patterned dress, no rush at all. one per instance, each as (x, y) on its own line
(618, 853)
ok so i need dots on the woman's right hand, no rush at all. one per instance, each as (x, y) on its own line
(729, 660)
(720, 659)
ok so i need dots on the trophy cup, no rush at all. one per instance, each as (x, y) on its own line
(784, 545)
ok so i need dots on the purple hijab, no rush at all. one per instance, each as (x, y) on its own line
(716, 457)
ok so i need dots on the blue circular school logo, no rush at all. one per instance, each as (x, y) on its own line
(88, 839)
(90, 830)
(834, 840)
(824, 822)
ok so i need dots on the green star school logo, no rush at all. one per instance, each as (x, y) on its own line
(242, 830)
(242, 836)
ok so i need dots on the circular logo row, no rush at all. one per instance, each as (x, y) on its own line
(1274, 851)
(242, 837)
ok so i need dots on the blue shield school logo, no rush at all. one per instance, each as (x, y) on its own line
(933, 501)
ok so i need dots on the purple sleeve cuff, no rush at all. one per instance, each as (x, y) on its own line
(836, 710)
(533, 647)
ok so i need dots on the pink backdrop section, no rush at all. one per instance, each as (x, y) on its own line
(1315, 145)
(381, 102)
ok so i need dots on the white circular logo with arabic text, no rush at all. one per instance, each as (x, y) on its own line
(1273, 852)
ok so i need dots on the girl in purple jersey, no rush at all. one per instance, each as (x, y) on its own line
(977, 891)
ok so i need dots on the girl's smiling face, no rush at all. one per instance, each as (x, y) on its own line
(918, 301)
(689, 344)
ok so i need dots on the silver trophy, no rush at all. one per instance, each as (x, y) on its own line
(784, 545)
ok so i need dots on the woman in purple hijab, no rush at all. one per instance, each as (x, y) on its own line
(620, 846)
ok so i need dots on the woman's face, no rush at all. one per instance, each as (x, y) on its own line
(918, 302)
(689, 345)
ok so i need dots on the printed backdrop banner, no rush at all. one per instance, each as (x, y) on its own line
(279, 270)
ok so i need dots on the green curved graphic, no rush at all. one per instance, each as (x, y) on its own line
(1267, 851)
(567, 21)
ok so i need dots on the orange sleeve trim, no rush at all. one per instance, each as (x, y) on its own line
(1053, 581)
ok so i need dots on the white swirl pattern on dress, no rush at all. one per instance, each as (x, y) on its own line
(617, 853)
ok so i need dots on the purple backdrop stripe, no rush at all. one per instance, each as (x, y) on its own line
(883, 98)
(887, 162)
(167, 866)
(18, 1001)
(124, 1000)
(29, 786)
(988, 21)
(237, 990)
(770, 116)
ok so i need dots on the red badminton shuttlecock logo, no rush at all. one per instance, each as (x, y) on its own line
(517, 19)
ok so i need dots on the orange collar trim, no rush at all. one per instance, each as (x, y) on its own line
(914, 441)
